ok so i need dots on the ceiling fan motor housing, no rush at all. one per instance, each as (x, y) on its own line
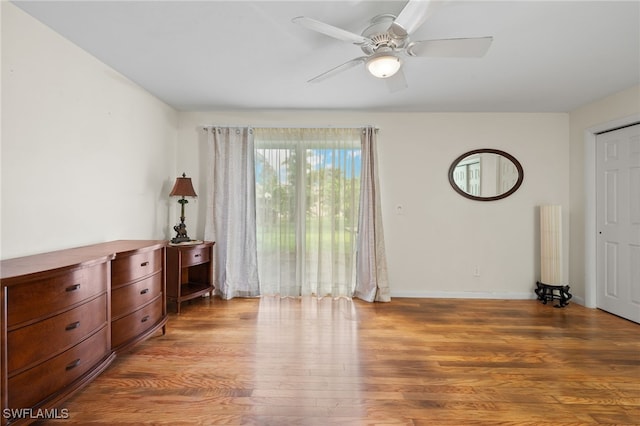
(380, 36)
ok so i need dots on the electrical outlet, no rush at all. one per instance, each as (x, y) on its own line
(476, 271)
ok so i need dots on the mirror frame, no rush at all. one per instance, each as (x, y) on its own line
(486, 151)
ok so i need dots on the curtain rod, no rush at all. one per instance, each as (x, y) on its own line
(211, 126)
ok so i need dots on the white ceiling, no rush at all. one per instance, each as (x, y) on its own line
(547, 56)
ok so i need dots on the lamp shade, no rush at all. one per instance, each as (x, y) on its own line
(183, 187)
(551, 245)
(384, 65)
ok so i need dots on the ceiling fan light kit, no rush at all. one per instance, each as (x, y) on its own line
(383, 65)
(386, 39)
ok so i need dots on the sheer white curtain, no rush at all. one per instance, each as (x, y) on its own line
(372, 282)
(307, 195)
(231, 211)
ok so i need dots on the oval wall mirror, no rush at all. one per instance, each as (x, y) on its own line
(486, 174)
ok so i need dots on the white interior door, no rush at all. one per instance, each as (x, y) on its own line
(618, 222)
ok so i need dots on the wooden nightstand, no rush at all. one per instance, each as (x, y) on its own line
(189, 271)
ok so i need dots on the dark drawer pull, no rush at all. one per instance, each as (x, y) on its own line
(196, 255)
(73, 365)
(145, 319)
(144, 263)
(72, 325)
(145, 291)
(72, 287)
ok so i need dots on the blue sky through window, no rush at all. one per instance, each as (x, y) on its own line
(349, 160)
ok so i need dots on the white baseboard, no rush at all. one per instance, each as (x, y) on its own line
(465, 295)
(578, 300)
(474, 295)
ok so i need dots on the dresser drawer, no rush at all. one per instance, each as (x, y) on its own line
(127, 299)
(195, 256)
(51, 295)
(30, 387)
(130, 268)
(136, 323)
(37, 342)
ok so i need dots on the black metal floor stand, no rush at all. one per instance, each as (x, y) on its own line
(548, 292)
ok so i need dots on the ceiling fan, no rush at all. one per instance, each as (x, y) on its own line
(386, 40)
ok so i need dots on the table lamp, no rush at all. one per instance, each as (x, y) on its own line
(182, 188)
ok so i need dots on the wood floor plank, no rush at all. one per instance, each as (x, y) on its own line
(275, 361)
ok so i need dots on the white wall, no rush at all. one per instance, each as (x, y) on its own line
(87, 156)
(614, 110)
(434, 247)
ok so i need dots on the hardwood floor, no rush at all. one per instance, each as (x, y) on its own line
(277, 361)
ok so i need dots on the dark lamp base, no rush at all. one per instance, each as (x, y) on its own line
(177, 240)
(181, 234)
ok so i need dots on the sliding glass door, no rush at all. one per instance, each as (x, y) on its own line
(307, 196)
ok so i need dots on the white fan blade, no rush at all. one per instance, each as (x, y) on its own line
(333, 71)
(330, 30)
(453, 47)
(396, 82)
(413, 15)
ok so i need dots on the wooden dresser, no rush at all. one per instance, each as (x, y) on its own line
(138, 296)
(58, 330)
